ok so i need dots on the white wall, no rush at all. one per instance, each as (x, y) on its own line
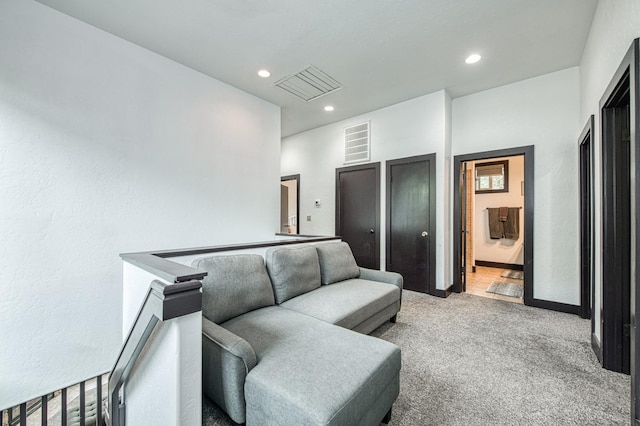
(616, 24)
(503, 250)
(414, 127)
(108, 148)
(544, 112)
(447, 184)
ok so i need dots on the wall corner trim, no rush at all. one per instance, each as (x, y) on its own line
(443, 293)
(597, 348)
(554, 306)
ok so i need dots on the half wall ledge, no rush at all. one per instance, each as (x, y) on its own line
(158, 263)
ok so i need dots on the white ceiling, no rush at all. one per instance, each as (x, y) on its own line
(381, 51)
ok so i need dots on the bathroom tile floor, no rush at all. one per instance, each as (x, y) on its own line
(479, 281)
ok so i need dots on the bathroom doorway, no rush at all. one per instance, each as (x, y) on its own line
(494, 241)
(493, 205)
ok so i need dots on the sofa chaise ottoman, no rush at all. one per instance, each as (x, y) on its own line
(273, 354)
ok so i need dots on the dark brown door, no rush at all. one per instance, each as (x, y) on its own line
(358, 212)
(411, 221)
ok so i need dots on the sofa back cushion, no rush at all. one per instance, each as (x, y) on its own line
(336, 262)
(234, 285)
(293, 271)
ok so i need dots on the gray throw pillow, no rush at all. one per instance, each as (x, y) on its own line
(234, 285)
(293, 271)
(336, 262)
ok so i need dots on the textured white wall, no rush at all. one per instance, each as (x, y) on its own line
(447, 185)
(108, 148)
(616, 24)
(503, 250)
(415, 127)
(543, 112)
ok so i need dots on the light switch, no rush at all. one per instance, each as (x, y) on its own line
(308, 218)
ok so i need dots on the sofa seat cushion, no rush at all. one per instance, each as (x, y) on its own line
(336, 262)
(309, 372)
(346, 303)
(293, 271)
(234, 285)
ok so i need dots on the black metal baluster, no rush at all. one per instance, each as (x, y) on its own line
(63, 407)
(43, 410)
(23, 414)
(99, 401)
(82, 401)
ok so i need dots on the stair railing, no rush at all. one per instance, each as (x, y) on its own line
(162, 302)
(80, 403)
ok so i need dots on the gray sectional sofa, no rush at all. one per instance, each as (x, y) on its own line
(284, 337)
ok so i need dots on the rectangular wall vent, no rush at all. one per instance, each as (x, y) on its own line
(309, 84)
(356, 143)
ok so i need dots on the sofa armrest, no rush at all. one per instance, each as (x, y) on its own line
(382, 276)
(226, 361)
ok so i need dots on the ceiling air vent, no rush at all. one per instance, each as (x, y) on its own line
(356, 143)
(309, 84)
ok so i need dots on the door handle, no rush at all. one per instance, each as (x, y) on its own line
(425, 234)
(372, 231)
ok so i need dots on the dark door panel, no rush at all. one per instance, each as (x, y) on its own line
(358, 212)
(410, 225)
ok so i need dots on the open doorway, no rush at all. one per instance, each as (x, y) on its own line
(493, 227)
(290, 204)
(618, 205)
(619, 348)
(493, 216)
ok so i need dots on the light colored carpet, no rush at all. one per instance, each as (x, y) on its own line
(506, 289)
(469, 360)
(516, 275)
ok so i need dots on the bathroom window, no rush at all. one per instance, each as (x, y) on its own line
(492, 177)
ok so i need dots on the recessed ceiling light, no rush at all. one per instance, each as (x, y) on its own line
(264, 73)
(472, 59)
(328, 108)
